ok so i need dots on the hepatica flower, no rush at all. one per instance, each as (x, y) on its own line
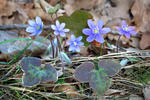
(75, 43)
(95, 32)
(126, 30)
(59, 29)
(35, 27)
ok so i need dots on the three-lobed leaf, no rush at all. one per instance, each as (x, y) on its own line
(99, 81)
(34, 73)
(98, 78)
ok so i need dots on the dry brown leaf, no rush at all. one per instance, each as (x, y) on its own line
(141, 15)
(72, 5)
(38, 11)
(11, 13)
(69, 90)
(120, 10)
(145, 41)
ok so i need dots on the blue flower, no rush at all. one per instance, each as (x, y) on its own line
(95, 32)
(126, 30)
(35, 27)
(75, 43)
(59, 29)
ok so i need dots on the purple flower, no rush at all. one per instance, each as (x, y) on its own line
(35, 27)
(95, 32)
(126, 30)
(75, 43)
(59, 29)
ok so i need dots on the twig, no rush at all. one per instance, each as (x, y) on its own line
(19, 26)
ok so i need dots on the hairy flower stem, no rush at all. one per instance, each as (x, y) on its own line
(52, 19)
(56, 15)
(52, 47)
(101, 49)
(117, 43)
(60, 49)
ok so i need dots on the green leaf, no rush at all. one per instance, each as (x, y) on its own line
(57, 7)
(124, 62)
(82, 73)
(109, 67)
(99, 82)
(31, 78)
(49, 74)
(14, 40)
(29, 63)
(77, 22)
(65, 58)
(34, 73)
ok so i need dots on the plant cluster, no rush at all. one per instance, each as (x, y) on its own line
(97, 76)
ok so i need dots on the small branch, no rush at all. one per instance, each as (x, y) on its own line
(19, 26)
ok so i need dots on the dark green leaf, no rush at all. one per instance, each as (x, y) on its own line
(34, 73)
(99, 82)
(76, 22)
(63, 56)
(28, 63)
(109, 67)
(31, 78)
(49, 74)
(82, 73)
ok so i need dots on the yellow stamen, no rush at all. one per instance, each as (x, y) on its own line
(126, 29)
(95, 31)
(75, 43)
(38, 28)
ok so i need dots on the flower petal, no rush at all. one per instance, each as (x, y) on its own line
(62, 26)
(53, 27)
(71, 48)
(77, 49)
(131, 28)
(73, 37)
(105, 30)
(57, 23)
(91, 24)
(66, 30)
(99, 38)
(56, 33)
(69, 42)
(30, 29)
(90, 38)
(39, 32)
(127, 35)
(38, 20)
(32, 34)
(124, 24)
(79, 38)
(80, 43)
(133, 32)
(31, 22)
(118, 28)
(87, 31)
(100, 24)
(62, 34)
